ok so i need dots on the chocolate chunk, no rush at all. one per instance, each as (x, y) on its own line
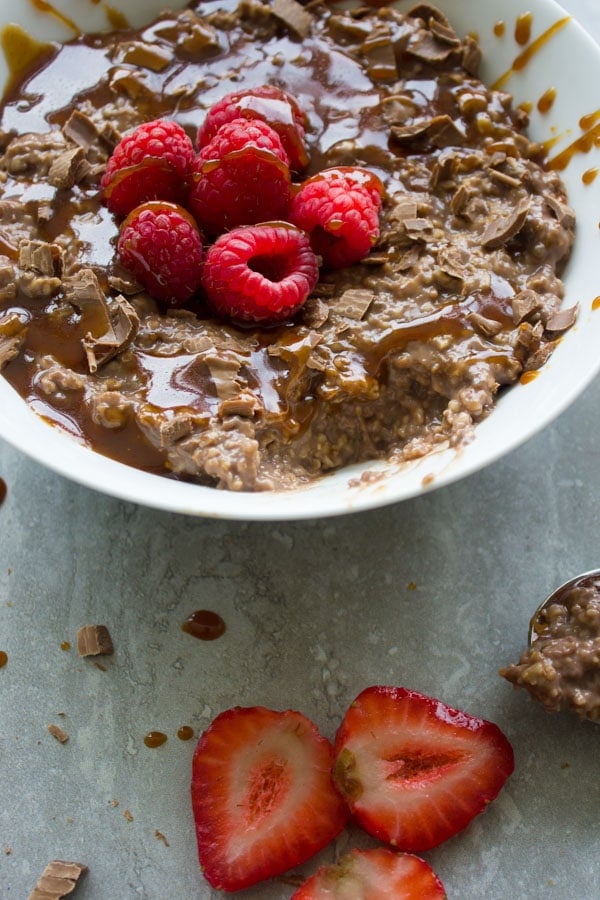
(8, 285)
(59, 733)
(94, 640)
(246, 404)
(292, 14)
(174, 429)
(562, 211)
(502, 229)
(58, 880)
(471, 57)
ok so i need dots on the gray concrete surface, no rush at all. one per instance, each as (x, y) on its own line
(433, 593)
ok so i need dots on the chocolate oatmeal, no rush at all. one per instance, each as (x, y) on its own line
(561, 668)
(391, 357)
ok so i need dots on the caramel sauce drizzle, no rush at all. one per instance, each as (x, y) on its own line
(596, 303)
(45, 7)
(522, 60)
(583, 144)
(523, 28)
(499, 28)
(589, 176)
(546, 101)
(21, 53)
(528, 377)
(185, 733)
(116, 18)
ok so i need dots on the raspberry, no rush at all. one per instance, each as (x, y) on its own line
(241, 177)
(160, 244)
(261, 273)
(151, 163)
(339, 208)
(269, 103)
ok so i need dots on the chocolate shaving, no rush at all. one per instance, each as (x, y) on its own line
(488, 327)
(425, 46)
(147, 56)
(94, 640)
(41, 257)
(314, 312)
(80, 129)
(562, 319)
(292, 14)
(540, 356)
(471, 57)
(562, 211)
(246, 404)
(124, 326)
(223, 370)
(59, 733)
(525, 304)
(58, 880)
(174, 429)
(354, 303)
(8, 285)
(12, 335)
(69, 168)
(502, 229)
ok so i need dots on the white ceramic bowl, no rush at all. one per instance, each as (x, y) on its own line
(568, 61)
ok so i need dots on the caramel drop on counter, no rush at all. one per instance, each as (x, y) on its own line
(589, 176)
(528, 377)
(523, 28)
(3, 490)
(499, 29)
(3, 658)
(546, 101)
(155, 739)
(596, 303)
(185, 733)
(65, 645)
(204, 625)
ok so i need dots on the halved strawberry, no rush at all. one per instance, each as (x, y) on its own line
(262, 795)
(415, 771)
(379, 874)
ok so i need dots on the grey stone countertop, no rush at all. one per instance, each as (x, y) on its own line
(434, 594)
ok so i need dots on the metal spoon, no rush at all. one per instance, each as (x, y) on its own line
(537, 621)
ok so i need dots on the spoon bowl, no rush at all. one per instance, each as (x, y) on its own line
(538, 624)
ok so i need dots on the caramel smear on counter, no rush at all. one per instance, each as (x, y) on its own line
(3, 490)
(3, 658)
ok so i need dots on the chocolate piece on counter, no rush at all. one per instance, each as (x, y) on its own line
(293, 15)
(59, 733)
(59, 879)
(94, 640)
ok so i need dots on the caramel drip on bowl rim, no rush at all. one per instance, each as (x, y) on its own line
(524, 58)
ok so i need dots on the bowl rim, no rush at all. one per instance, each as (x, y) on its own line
(373, 484)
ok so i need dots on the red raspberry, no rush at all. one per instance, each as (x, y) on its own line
(262, 273)
(269, 103)
(339, 208)
(161, 246)
(240, 178)
(151, 163)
